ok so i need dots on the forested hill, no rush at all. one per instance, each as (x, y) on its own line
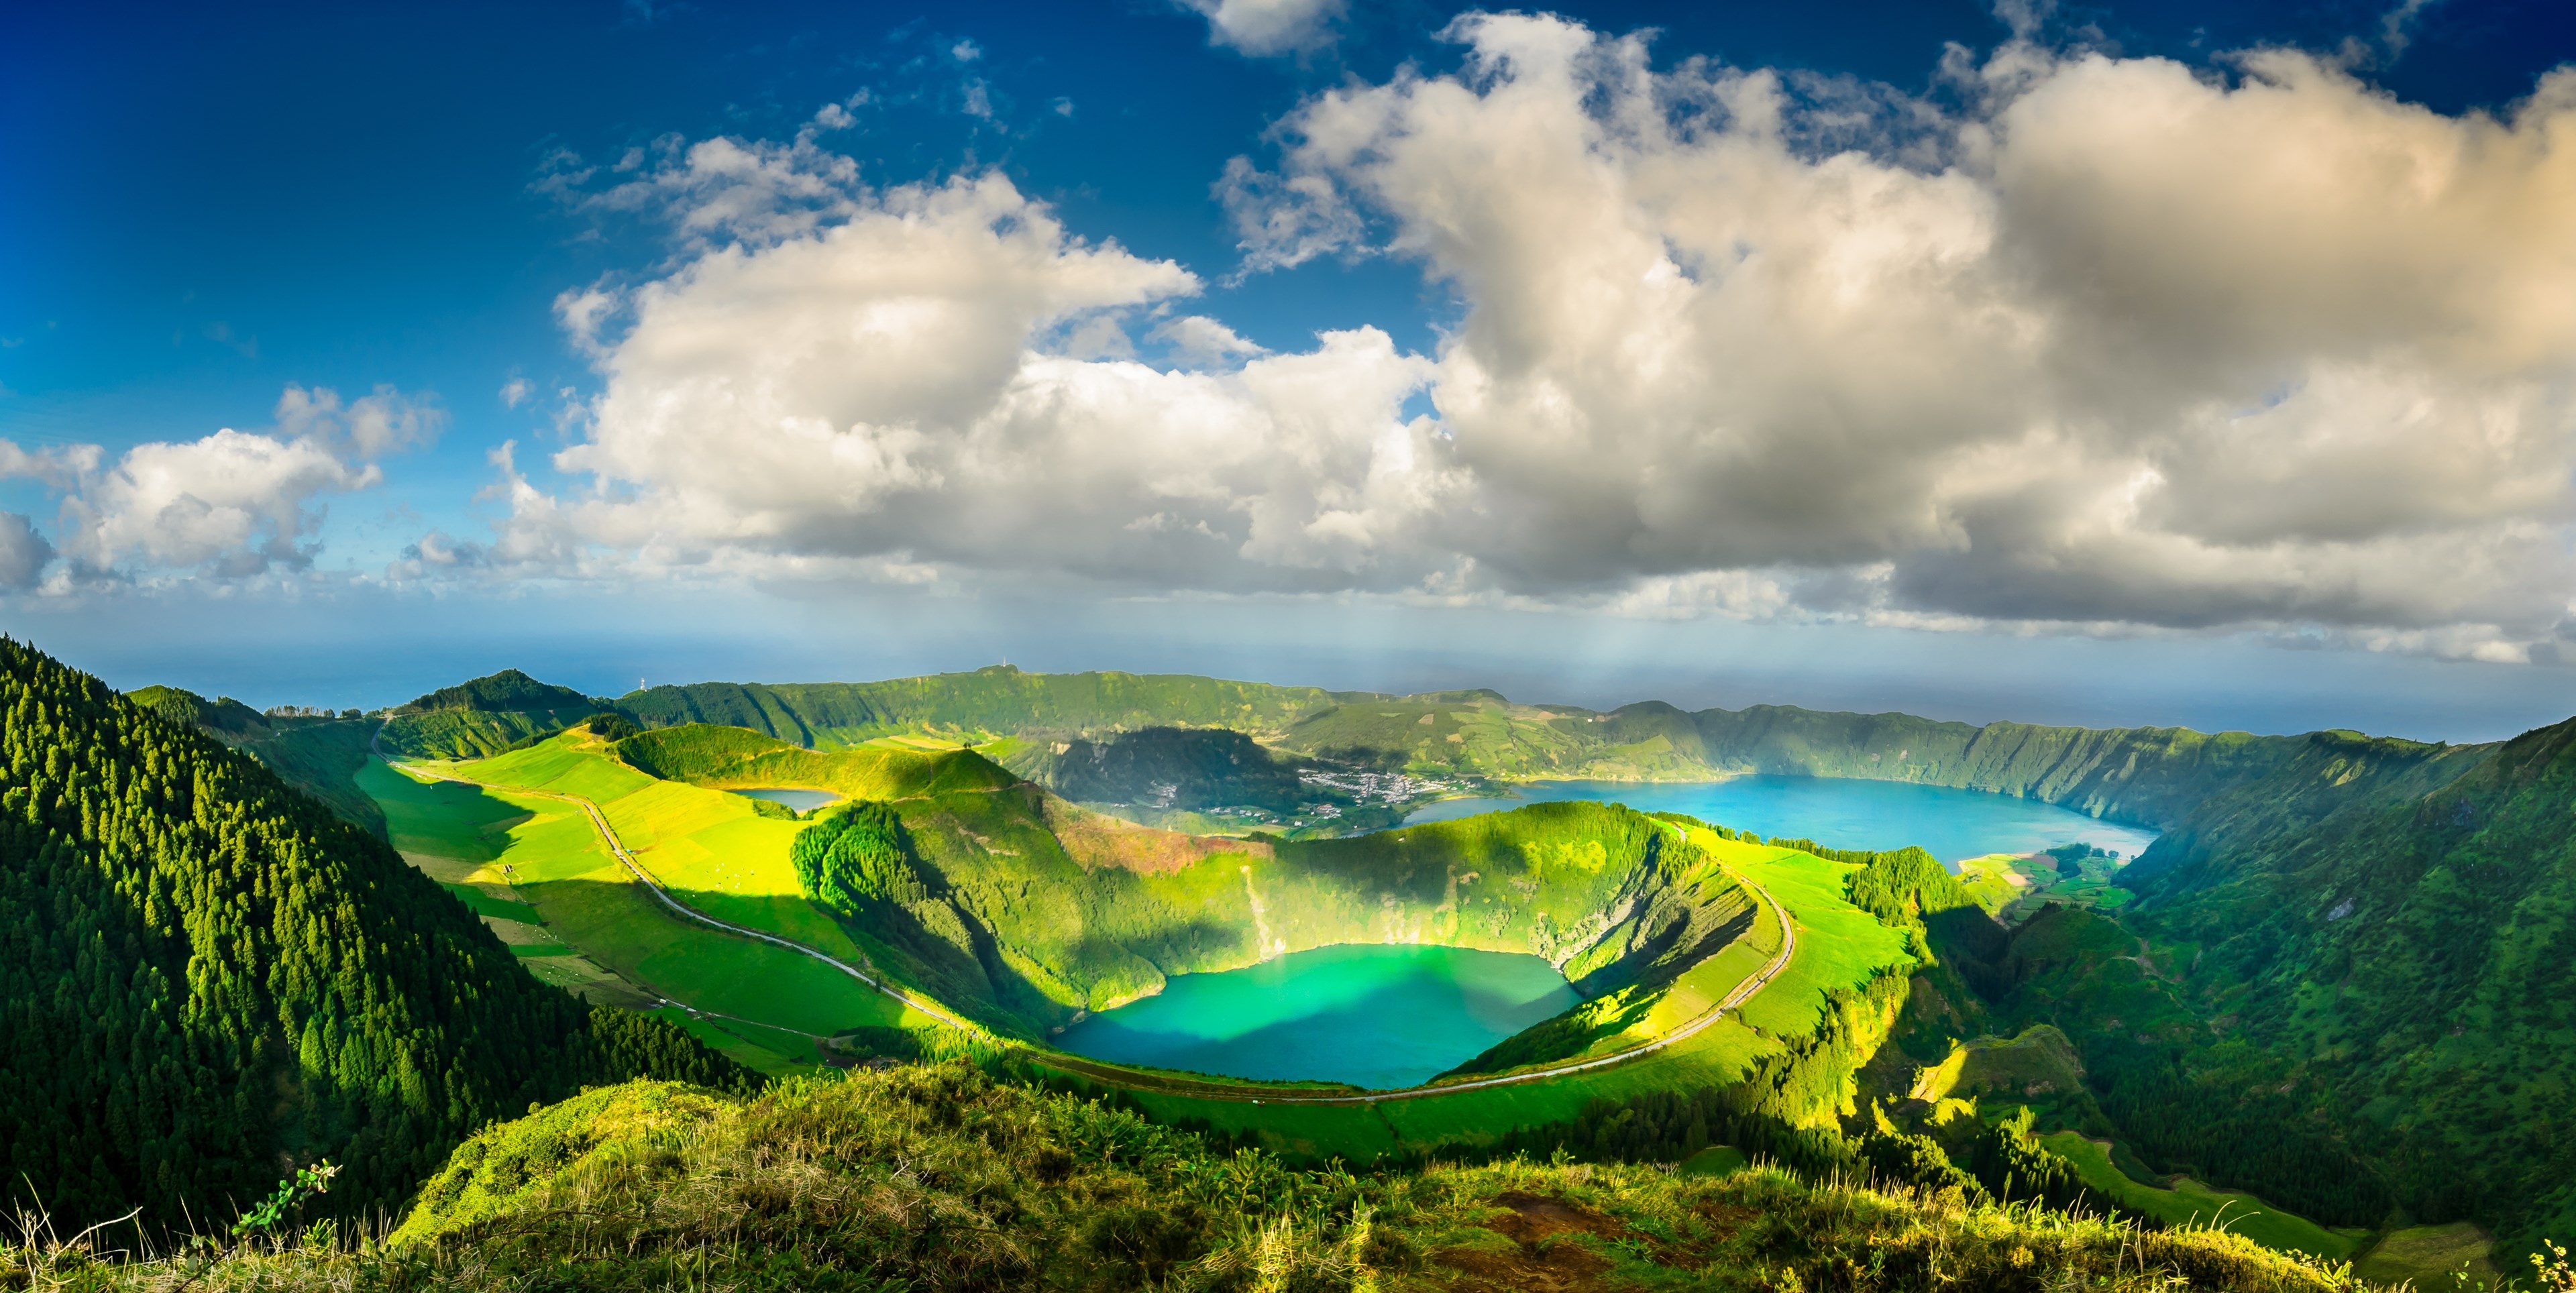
(508, 691)
(2349, 984)
(482, 717)
(205, 975)
(991, 701)
(2397, 930)
(2148, 775)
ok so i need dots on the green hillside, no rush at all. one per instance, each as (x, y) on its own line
(727, 757)
(2349, 984)
(204, 973)
(508, 691)
(941, 1178)
(318, 755)
(2148, 776)
(994, 701)
(482, 717)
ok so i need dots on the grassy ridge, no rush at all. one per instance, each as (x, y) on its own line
(708, 755)
(935, 1178)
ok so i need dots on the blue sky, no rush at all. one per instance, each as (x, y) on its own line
(213, 212)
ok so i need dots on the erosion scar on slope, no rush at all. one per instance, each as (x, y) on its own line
(1260, 927)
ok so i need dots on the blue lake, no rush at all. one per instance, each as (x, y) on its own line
(1841, 812)
(803, 801)
(1373, 1015)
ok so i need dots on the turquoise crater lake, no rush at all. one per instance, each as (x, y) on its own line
(803, 801)
(1373, 1015)
(1840, 812)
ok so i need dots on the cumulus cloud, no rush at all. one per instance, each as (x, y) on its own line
(2140, 347)
(2103, 344)
(931, 380)
(1268, 26)
(370, 427)
(230, 505)
(24, 553)
(1203, 341)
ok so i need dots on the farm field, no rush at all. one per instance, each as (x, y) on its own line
(708, 847)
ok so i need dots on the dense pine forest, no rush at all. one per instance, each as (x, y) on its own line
(207, 979)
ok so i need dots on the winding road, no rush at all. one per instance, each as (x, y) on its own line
(1742, 992)
(617, 848)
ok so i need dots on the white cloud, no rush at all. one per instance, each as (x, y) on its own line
(372, 425)
(230, 505)
(2116, 348)
(941, 378)
(516, 391)
(2137, 348)
(24, 553)
(1203, 341)
(1268, 26)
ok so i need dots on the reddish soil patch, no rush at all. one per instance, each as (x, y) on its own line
(1099, 841)
(1550, 1258)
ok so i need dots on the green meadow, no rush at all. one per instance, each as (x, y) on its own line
(708, 847)
(2189, 1203)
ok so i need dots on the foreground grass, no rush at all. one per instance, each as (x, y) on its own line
(935, 1178)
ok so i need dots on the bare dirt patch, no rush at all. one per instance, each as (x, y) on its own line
(1099, 841)
(1548, 1251)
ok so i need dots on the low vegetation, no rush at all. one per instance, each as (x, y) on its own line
(937, 1178)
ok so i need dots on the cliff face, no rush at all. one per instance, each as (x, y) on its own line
(2145, 776)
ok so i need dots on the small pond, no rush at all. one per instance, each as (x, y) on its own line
(1841, 812)
(1373, 1015)
(803, 801)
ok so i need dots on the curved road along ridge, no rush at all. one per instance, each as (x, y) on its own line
(1742, 993)
(618, 849)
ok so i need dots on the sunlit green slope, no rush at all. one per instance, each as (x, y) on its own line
(1025, 911)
